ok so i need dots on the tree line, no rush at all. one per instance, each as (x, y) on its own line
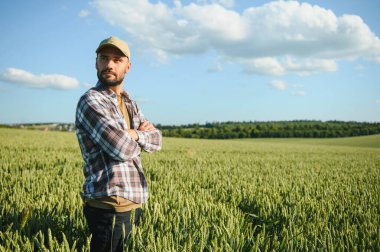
(271, 129)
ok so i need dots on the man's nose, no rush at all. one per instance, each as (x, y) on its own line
(110, 64)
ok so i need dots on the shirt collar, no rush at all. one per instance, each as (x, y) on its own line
(105, 90)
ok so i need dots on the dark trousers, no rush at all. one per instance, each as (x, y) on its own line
(106, 227)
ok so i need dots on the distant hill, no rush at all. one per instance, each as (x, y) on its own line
(233, 130)
(272, 129)
(42, 126)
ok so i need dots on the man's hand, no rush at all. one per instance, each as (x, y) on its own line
(133, 134)
(145, 126)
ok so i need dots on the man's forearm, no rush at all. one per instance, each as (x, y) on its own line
(133, 134)
(150, 140)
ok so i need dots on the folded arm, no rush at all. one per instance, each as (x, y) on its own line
(147, 136)
(94, 118)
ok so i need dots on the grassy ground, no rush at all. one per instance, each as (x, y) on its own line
(372, 141)
(205, 195)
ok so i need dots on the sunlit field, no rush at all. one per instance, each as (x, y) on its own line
(205, 195)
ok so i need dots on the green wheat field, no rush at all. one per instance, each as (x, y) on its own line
(205, 195)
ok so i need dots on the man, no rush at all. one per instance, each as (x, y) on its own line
(111, 132)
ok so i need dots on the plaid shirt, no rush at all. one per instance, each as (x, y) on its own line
(112, 164)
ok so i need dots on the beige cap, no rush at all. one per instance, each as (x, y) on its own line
(115, 42)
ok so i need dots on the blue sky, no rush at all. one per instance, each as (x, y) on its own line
(196, 61)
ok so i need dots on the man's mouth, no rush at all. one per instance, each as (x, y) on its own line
(108, 73)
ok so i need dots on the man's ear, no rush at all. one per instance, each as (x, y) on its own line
(128, 67)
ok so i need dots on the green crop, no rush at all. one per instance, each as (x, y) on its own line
(205, 195)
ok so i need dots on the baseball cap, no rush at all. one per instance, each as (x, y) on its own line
(115, 42)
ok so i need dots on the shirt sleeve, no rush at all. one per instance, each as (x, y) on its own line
(150, 141)
(93, 116)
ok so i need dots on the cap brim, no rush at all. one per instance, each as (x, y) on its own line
(110, 45)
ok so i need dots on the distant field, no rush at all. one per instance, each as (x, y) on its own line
(372, 141)
(205, 195)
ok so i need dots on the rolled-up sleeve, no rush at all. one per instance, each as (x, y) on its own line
(150, 141)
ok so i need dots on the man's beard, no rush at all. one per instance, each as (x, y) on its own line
(115, 82)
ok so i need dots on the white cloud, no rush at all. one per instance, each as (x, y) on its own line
(225, 3)
(359, 67)
(298, 86)
(281, 66)
(299, 93)
(310, 66)
(84, 13)
(25, 78)
(277, 38)
(375, 58)
(282, 85)
(216, 68)
(378, 101)
(88, 85)
(266, 65)
(278, 84)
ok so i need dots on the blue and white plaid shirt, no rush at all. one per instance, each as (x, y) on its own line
(112, 164)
